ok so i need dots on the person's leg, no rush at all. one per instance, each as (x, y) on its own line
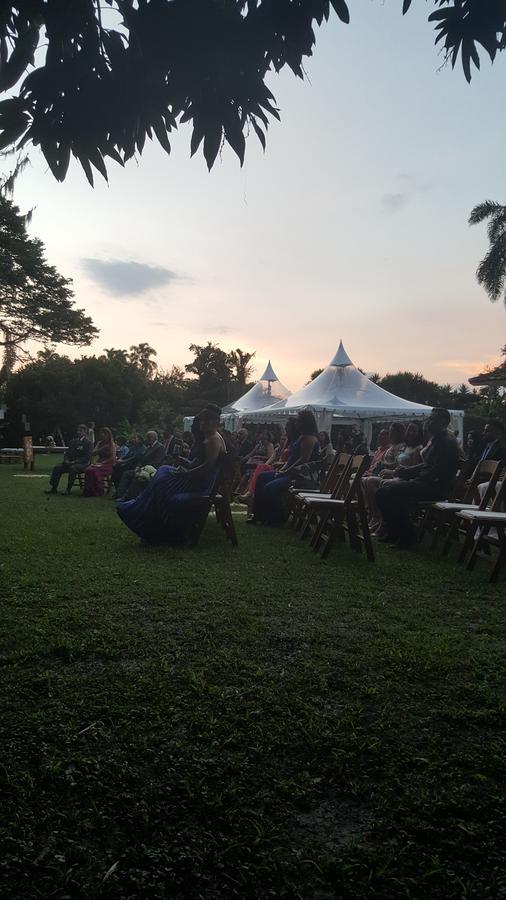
(259, 508)
(275, 501)
(393, 501)
(74, 471)
(56, 474)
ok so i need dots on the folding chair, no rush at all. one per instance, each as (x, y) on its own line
(219, 498)
(311, 510)
(479, 536)
(347, 515)
(299, 509)
(441, 517)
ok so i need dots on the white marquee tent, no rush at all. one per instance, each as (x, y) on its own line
(342, 395)
(265, 392)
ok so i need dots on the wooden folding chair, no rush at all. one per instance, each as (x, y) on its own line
(311, 510)
(299, 512)
(219, 498)
(441, 517)
(480, 523)
(338, 517)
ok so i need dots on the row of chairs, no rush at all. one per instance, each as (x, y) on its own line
(472, 519)
(337, 511)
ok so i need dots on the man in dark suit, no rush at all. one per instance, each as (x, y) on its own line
(75, 461)
(431, 479)
(153, 455)
(493, 435)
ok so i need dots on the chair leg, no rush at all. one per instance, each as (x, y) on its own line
(468, 542)
(453, 527)
(501, 556)
(366, 534)
(475, 543)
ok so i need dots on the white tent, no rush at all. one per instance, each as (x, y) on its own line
(267, 391)
(342, 395)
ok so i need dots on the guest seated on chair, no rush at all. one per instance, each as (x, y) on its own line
(75, 461)
(384, 469)
(432, 479)
(163, 513)
(378, 455)
(493, 436)
(327, 452)
(103, 459)
(271, 493)
(153, 455)
(474, 448)
(122, 448)
(136, 451)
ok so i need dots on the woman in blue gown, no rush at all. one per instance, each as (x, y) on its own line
(162, 514)
(271, 493)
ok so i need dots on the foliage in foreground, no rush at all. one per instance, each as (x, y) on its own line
(105, 77)
(223, 724)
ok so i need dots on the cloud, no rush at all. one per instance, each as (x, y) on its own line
(122, 277)
(393, 201)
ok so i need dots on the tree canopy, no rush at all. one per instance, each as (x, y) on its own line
(36, 302)
(105, 75)
(491, 272)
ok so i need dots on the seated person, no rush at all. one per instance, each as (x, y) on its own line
(431, 479)
(384, 469)
(102, 462)
(162, 514)
(272, 488)
(136, 450)
(122, 448)
(379, 453)
(410, 454)
(493, 436)
(153, 455)
(75, 461)
(475, 446)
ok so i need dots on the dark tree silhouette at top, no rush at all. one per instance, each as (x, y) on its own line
(97, 77)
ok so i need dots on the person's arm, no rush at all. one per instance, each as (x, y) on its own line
(306, 449)
(272, 459)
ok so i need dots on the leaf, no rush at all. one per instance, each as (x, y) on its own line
(259, 133)
(341, 10)
(160, 130)
(212, 143)
(234, 134)
(405, 6)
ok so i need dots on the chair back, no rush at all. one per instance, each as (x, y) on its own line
(357, 468)
(499, 502)
(488, 471)
(342, 476)
(333, 474)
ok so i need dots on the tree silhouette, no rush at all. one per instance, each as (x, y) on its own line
(491, 272)
(140, 356)
(97, 91)
(240, 365)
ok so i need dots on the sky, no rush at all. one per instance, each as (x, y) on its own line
(352, 225)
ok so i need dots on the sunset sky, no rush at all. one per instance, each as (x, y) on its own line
(352, 225)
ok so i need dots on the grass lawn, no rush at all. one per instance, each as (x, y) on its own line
(249, 723)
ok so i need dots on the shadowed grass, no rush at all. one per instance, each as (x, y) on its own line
(252, 723)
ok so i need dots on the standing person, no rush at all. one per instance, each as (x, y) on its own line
(103, 459)
(157, 515)
(75, 461)
(430, 480)
(269, 503)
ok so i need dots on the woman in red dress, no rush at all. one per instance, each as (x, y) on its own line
(103, 459)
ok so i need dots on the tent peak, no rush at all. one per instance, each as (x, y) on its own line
(341, 358)
(269, 374)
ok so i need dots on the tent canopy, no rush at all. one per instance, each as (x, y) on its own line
(342, 390)
(267, 390)
(342, 394)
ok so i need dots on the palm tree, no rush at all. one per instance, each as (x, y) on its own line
(491, 272)
(140, 356)
(240, 360)
(113, 355)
